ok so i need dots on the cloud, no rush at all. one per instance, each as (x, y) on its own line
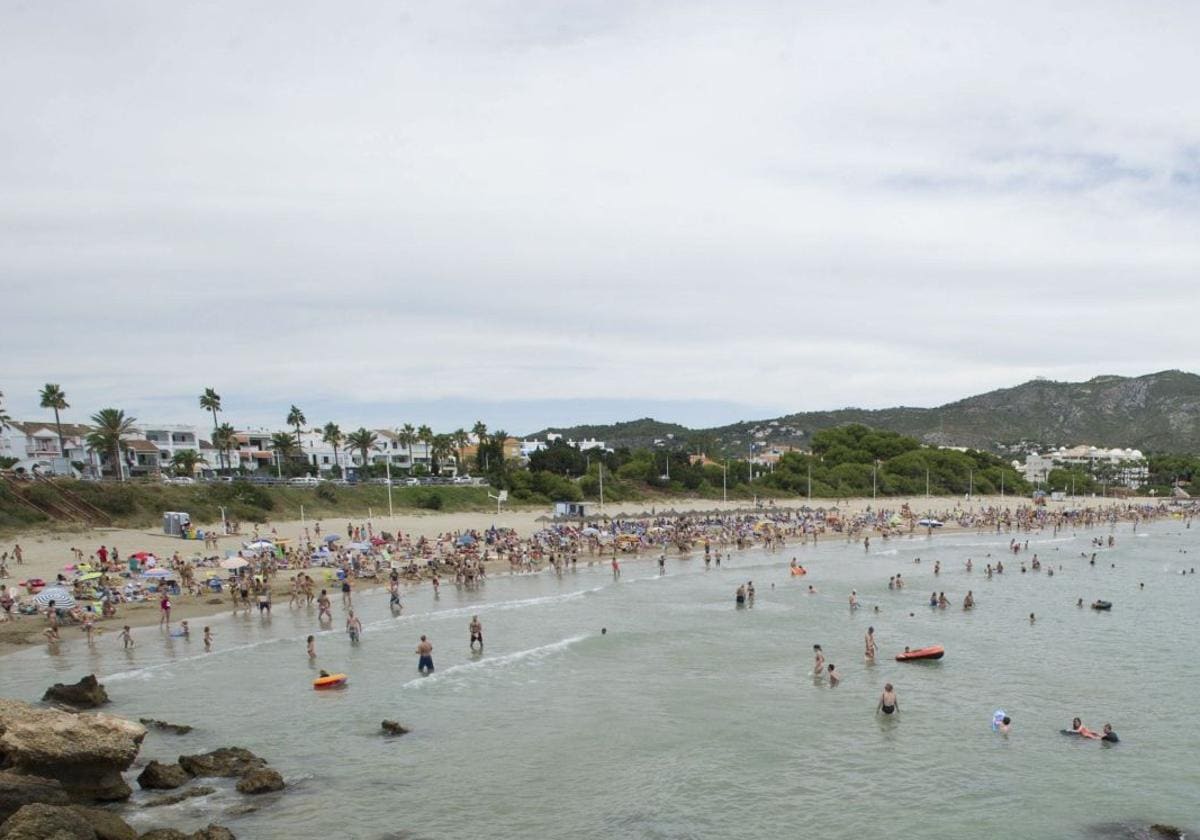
(770, 206)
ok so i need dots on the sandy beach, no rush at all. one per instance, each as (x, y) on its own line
(45, 554)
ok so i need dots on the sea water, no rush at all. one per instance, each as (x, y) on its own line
(690, 718)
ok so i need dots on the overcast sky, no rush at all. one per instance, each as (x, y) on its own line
(538, 213)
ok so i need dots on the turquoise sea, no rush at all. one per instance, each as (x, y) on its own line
(692, 719)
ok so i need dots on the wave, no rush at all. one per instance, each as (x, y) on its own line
(494, 662)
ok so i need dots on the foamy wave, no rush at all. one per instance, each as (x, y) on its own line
(494, 662)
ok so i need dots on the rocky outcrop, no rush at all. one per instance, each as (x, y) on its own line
(86, 754)
(176, 798)
(163, 726)
(262, 780)
(391, 727)
(227, 762)
(85, 694)
(17, 790)
(159, 776)
(211, 832)
(47, 822)
(1167, 831)
(106, 824)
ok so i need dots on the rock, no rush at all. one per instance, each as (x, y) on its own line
(262, 780)
(1160, 830)
(242, 809)
(213, 832)
(159, 776)
(210, 832)
(85, 694)
(227, 762)
(106, 824)
(46, 822)
(176, 798)
(391, 727)
(177, 728)
(17, 790)
(85, 753)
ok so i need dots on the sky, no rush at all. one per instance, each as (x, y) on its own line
(543, 213)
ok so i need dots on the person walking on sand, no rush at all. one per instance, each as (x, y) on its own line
(476, 629)
(870, 644)
(425, 656)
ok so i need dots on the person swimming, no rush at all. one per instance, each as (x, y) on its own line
(1082, 731)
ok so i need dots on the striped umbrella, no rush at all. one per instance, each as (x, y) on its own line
(158, 573)
(62, 599)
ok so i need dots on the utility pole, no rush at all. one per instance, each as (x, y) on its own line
(927, 482)
(725, 481)
(970, 482)
(810, 482)
(602, 487)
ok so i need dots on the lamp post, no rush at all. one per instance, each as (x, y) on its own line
(724, 481)
(387, 465)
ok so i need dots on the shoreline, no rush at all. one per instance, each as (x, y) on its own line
(46, 554)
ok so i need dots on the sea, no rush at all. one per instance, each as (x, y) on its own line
(650, 706)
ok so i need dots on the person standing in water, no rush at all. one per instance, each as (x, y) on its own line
(889, 704)
(833, 678)
(476, 630)
(870, 644)
(208, 637)
(353, 626)
(312, 647)
(425, 654)
(818, 662)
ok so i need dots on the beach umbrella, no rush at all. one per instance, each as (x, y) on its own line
(332, 538)
(361, 546)
(62, 598)
(234, 563)
(261, 545)
(89, 576)
(589, 531)
(144, 555)
(465, 539)
(158, 573)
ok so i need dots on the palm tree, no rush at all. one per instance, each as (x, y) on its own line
(224, 438)
(283, 445)
(407, 436)
(297, 419)
(332, 435)
(111, 424)
(442, 445)
(54, 397)
(4, 418)
(210, 400)
(185, 460)
(460, 438)
(425, 435)
(480, 432)
(362, 439)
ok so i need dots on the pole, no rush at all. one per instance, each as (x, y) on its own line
(388, 467)
(302, 515)
(927, 482)
(1001, 483)
(725, 481)
(970, 483)
(224, 524)
(278, 467)
(602, 487)
(873, 468)
(810, 482)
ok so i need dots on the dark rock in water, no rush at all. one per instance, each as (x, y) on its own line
(164, 834)
(228, 762)
(47, 822)
(213, 832)
(176, 798)
(241, 809)
(85, 694)
(262, 780)
(17, 790)
(391, 727)
(106, 824)
(1160, 830)
(177, 728)
(85, 753)
(159, 776)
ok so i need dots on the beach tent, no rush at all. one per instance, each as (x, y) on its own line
(62, 598)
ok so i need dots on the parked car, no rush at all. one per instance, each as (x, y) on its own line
(384, 481)
(179, 479)
(304, 481)
(411, 482)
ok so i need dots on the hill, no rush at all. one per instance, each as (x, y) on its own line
(1158, 412)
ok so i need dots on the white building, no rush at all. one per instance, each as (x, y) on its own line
(170, 438)
(35, 445)
(1122, 466)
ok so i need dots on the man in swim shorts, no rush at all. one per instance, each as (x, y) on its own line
(425, 654)
(476, 629)
(889, 704)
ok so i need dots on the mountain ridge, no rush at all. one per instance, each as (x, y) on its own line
(1154, 412)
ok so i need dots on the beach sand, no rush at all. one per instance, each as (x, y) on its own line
(46, 553)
